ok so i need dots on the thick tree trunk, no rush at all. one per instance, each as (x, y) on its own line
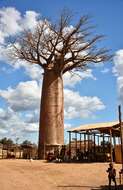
(51, 125)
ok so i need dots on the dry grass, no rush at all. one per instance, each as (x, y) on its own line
(38, 175)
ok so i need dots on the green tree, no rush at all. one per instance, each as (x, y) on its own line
(6, 141)
(26, 142)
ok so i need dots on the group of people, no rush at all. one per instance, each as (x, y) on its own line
(60, 154)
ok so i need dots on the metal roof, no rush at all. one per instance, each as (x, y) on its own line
(96, 126)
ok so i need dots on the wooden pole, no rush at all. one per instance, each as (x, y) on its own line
(98, 144)
(44, 151)
(88, 142)
(104, 146)
(94, 147)
(88, 146)
(84, 142)
(91, 140)
(114, 141)
(80, 141)
(76, 143)
(69, 145)
(121, 134)
(111, 145)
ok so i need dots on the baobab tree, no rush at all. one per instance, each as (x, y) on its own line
(57, 48)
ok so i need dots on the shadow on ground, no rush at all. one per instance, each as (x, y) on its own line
(78, 186)
(119, 187)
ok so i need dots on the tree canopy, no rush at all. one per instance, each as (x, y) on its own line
(6, 141)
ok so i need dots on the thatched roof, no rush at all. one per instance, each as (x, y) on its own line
(102, 127)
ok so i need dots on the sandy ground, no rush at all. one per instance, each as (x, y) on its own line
(38, 175)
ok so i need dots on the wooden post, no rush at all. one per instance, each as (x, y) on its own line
(121, 134)
(91, 140)
(88, 142)
(104, 145)
(98, 143)
(69, 145)
(121, 139)
(114, 141)
(80, 141)
(76, 143)
(44, 151)
(108, 143)
(84, 142)
(111, 145)
(94, 147)
(88, 146)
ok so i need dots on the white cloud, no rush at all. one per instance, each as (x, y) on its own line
(12, 125)
(9, 21)
(8, 119)
(105, 70)
(31, 128)
(22, 116)
(30, 20)
(77, 106)
(67, 125)
(118, 63)
(3, 131)
(34, 71)
(118, 72)
(5, 114)
(12, 22)
(31, 117)
(26, 96)
(1, 37)
(70, 80)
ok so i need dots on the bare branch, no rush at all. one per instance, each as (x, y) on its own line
(61, 46)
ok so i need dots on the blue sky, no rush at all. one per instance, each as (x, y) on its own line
(102, 85)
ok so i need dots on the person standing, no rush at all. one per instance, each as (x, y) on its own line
(111, 175)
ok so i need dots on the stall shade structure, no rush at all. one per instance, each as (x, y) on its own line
(95, 142)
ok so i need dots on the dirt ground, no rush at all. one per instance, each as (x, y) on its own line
(39, 175)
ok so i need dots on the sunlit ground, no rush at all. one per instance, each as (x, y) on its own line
(39, 175)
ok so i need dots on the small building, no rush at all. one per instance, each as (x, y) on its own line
(18, 151)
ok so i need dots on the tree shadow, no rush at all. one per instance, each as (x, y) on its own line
(77, 186)
(105, 187)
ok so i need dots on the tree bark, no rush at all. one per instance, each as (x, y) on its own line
(51, 125)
